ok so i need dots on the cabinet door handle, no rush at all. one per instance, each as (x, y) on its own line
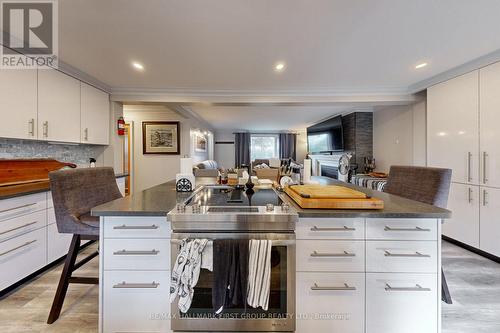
(469, 198)
(387, 228)
(86, 134)
(317, 254)
(344, 228)
(17, 228)
(485, 198)
(469, 167)
(17, 247)
(485, 178)
(406, 255)
(416, 288)
(136, 253)
(125, 285)
(45, 129)
(346, 287)
(31, 125)
(18, 207)
(135, 227)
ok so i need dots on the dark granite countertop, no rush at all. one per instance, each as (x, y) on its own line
(159, 200)
(12, 191)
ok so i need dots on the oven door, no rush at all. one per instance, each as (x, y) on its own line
(280, 316)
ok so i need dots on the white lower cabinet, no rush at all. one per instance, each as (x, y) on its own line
(330, 302)
(464, 223)
(490, 221)
(21, 256)
(397, 303)
(57, 243)
(401, 256)
(136, 301)
(330, 256)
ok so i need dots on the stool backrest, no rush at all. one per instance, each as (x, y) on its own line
(427, 185)
(75, 192)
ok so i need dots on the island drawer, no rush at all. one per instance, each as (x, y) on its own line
(402, 256)
(27, 204)
(402, 229)
(136, 301)
(137, 254)
(136, 227)
(329, 228)
(22, 224)
(398, 303)
(330, 256)
(330, 302)
(21, 256)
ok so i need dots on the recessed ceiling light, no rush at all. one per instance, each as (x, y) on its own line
(279, 67)
(138, 66)
(422, 65)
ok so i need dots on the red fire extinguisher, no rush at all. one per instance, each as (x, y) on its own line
(121, 126)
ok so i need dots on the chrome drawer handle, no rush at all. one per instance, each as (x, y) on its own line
(344, 228)
(407, 255)
(125, 285)
(345, 287)
(139, 253)
(416, 288)
(17, 228)
(387, 228)
(316, 254)
(19, 207)
(136, 227)
(17, 247)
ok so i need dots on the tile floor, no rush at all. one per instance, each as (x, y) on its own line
(473, 280)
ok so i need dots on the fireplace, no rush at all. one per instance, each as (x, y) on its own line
(329, 171)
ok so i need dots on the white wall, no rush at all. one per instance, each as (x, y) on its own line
(399, 136)
(151, 170)
(113, 154)
(224, 153)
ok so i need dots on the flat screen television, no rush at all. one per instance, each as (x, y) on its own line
(326, 136)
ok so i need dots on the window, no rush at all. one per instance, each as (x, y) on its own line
(263, 146)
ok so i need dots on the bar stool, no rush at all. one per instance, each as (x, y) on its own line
(75, 193)
(427, 185)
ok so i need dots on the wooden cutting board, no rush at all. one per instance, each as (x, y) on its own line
(327, 192)
(17, 172)
(341, 199)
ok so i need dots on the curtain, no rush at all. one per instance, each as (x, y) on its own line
(288, 142)
(242, 149)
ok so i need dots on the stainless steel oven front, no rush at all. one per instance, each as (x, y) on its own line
(280, 316)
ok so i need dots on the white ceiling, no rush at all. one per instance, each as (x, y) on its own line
(227, 49)
(334, 45)
(262, 118)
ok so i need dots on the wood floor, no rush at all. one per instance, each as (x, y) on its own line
(27, 308)
(473, 280)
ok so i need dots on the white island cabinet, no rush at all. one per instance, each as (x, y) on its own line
(383, 275)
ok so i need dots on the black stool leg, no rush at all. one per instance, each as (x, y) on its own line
(62, 288)
(445, 292)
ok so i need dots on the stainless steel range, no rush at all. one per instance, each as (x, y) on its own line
(223, 212)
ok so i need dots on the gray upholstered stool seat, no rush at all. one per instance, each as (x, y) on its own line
(75, 193)
(427, 185)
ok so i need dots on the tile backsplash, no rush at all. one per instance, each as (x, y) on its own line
(78, 154)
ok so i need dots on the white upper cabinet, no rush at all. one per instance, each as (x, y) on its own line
(489, 92)
(453, 127)
(18, 104)
(94, 115)
(58, 107)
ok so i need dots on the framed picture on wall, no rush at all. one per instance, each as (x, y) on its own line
(200, 143)
(161, 137)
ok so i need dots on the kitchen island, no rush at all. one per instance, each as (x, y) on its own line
(355, 270)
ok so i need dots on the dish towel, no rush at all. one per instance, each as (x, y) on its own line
(230, 270)
(186, 272)
(259, 273)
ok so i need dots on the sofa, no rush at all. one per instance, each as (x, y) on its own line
(208, 168)
(271, 173)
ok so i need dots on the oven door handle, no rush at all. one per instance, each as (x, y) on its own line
(277, 242)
